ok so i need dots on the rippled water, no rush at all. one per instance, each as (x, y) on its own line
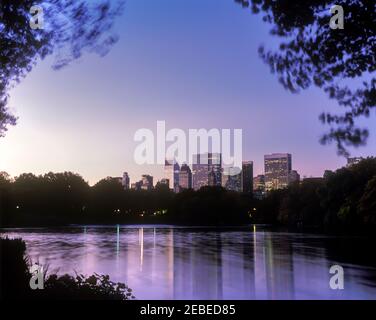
(187, 263)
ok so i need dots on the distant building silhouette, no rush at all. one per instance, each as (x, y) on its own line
(247, 176)
(185, 177)
(200, 171)
(146, 183)
(212, 181)
(277, 171)
(171, 173)
(215, 169)
(207, 170)
(232, 179)
(125, 181)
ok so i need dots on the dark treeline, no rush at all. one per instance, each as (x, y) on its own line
(65, 198)
(342, 200)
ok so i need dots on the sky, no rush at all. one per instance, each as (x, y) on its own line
(193, 64)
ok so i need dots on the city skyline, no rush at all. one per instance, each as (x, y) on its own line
(128, 179)
(278, 174)
(194, 65)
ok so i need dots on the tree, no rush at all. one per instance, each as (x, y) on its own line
(106, 197)
(311, 53)
(367, 204)
(5, 191)
(53, 198)
(300, 206)
(70, 28)
(343, 190)
(210, 206)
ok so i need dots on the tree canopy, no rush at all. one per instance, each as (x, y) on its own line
(344, 200)
(341, 62)
(70, 28)
(65, 198)
(337, 61)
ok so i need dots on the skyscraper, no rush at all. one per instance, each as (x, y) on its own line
(232, 179)
(207, 170)
(200, 171)
(185, 177)
(171, 172)
(247, 176)
(277, 171)
(214, 169)
(125, 181)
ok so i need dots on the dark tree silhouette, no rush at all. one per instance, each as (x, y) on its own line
(367, 204)
(70, 28)
(311, 53)
(344, 200)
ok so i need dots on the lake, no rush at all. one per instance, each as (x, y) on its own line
(164, 262)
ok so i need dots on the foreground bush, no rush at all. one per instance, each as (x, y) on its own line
(15, 277)
(95, 287)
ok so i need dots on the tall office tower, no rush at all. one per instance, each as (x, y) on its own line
(232, 179)
(207, 170)
(176, 177)
(199, 171)
(125, 181)
(247, 176)
(146, 182)
(185, 177)
(294, 177)
(214, 169)
(355, 160)
(171, 172)
(236, 181)
(212, 180)
(277, 171)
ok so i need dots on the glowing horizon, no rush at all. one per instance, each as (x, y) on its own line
(193, 65)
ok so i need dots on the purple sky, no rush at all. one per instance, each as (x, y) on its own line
(191, 63)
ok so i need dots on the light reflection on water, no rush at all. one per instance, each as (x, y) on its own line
(186, 263)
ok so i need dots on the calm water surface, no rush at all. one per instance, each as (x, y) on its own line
(186, 263)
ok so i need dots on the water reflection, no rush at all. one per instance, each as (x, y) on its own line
(184, 263)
